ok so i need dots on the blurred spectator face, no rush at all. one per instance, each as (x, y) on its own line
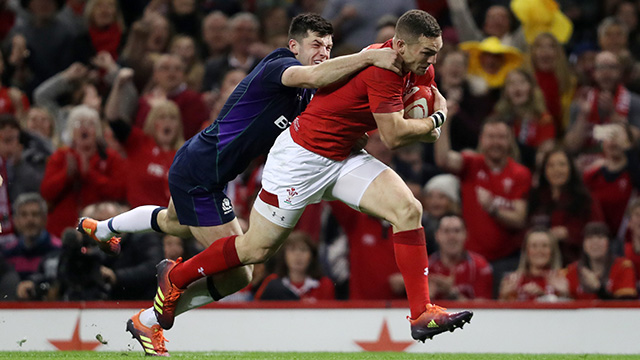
(185, 48)
(104, 13)
(518, 88)
(544, 53)
(42, 9)
(297, 256)
(385, 33)
(454, 68)
(437, 203)
(585, 65)
(30, 220)
(40, 122)
(538, 250)
(451, 236)
(495, 141)
(232, 79)
(85, 133)
(613, 38)
(497, 21)
(491, 63)
(91, 97)
(628, 14)
(607, 71)
(183, 7)
(9, 143)
(166, 128)
(244, 32)
(557, 169)
(313, 49)
(214, 32)
(596, 247)
(158, 34)
(173, 247)
(169, 72)
(276, 21)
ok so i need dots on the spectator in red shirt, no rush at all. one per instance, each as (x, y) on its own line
(599, 274)
(522, 105)
(494, 189)
(562, 203)
(539, 275)
(610, 181)
(12, 100)
(104, 31)
(150, 150)
(169, 82)
(84, 173)
(298, 275)
(455, 273)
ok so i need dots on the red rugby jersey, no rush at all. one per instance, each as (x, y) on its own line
(473, 275)
(621, 282)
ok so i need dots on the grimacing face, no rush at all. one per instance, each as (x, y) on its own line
(418, 56)
(312, 49)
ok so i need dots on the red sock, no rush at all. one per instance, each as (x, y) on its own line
(219, 256)
(410, 248)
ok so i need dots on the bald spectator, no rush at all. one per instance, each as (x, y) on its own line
(243, 32)
(168, 82)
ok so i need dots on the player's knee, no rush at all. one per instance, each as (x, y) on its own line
(408, 213)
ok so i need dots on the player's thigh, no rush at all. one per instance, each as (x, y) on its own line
(382, 194)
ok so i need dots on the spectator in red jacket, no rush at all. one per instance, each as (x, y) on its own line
(150, 150)
(599, 274)
(169, 82)
(632, 248)
(455, 273)
(298, 275)
(539, 275)
(84, 173)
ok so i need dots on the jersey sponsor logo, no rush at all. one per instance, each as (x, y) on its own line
(226, 206)
(282, 122)
(291, 193)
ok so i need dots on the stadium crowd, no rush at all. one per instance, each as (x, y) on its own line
(529, 194)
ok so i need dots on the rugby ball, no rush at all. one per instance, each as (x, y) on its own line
(418, 102)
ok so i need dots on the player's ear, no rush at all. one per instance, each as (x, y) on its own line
(294, 46)
(400, 45)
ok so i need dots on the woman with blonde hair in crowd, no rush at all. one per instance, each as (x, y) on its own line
(555, 78)
(539, 275)
(83, 173)
(522, 105)
(150, 150)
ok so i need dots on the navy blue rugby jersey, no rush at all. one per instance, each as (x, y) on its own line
(257, 111)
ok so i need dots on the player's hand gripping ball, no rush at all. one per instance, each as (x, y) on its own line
(418, 104)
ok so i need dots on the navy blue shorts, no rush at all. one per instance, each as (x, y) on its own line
(196, 203)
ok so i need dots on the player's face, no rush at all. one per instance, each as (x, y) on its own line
(313, 49)
(539, 250)
(418, 56)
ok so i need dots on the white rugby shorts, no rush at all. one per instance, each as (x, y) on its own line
(294, 177)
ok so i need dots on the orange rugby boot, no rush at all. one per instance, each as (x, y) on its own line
(88, 226)
(151, 339)
(436, 320)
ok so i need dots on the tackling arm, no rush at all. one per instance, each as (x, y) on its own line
(333, 70)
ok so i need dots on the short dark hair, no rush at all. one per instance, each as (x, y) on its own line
(414, 23)
(453, 215)
(9, 120)
(596, 228)
(303, 23)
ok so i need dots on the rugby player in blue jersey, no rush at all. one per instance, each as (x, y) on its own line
(258, 110)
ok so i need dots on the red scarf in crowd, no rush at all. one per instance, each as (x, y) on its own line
(621, 103)
(107, 39)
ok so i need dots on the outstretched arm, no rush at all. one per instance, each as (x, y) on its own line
(333, 70)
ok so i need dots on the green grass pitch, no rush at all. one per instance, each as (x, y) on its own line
(305, 356)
